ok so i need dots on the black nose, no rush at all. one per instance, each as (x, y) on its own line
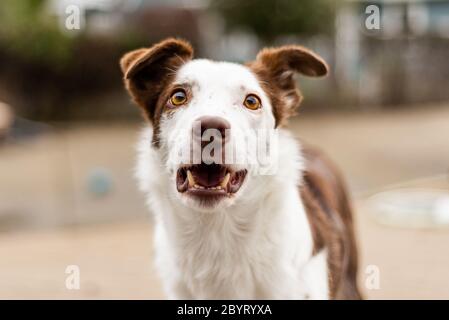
(221, 125)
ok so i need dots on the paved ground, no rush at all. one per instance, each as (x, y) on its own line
(44, 185)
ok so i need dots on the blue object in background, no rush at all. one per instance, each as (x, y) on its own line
(99, 181)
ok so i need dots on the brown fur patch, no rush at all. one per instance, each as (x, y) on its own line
(330, 216)
(148, 72)
(275, 68)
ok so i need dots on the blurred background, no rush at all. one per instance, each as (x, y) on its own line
(68, 133)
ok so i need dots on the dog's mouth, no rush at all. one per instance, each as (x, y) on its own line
(206, 180)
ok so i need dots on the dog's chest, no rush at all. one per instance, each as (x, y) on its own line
(223, 261)
(219, 269)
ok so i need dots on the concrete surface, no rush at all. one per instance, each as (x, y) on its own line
(49, 219)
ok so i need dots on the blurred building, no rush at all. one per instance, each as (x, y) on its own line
(402, 60)
(152, 19)
(158, 19)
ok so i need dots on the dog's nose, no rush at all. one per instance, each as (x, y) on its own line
(221, 125)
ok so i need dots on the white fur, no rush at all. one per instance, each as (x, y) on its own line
(257, 244)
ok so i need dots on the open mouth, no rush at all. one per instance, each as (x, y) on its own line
(206, 180)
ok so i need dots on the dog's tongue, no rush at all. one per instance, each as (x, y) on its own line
(208, 175)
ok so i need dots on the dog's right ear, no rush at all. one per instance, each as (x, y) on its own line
(147, 71)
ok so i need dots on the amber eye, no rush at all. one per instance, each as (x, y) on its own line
(178, 98)
(252, 102)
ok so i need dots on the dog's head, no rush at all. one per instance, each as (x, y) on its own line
(210, 118)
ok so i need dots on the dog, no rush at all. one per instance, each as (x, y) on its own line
(276, 230)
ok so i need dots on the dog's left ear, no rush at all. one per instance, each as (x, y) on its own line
(276, 68)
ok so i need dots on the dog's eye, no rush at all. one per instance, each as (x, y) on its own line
(252, 102)
(178, 98)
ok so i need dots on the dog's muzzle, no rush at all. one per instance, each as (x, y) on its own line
(208, 175)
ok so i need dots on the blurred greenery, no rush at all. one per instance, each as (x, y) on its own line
(29, 33)
(43, 67)
(269, 19)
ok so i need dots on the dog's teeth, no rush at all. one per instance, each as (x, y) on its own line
(190, 178)
(197, 186)
(225, 181)
(219, 188)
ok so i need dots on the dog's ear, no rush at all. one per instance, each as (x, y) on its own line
(147, 71)
(276, 68)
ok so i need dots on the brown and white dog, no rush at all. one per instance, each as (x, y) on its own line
(281, 229)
